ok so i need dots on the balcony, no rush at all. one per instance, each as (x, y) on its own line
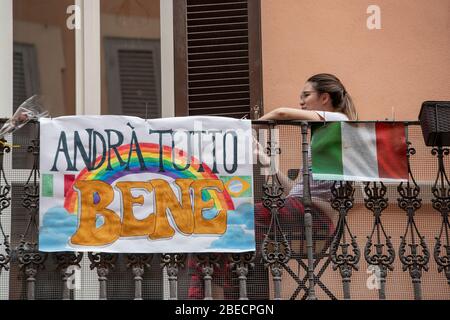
(385, 241)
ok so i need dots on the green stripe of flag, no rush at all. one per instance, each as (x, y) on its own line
(326, 149)
(47, 185)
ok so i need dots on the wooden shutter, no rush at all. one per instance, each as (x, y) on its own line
(25, 73)
(134, 80)
(217, 57)
(19, 86)
(25, 84)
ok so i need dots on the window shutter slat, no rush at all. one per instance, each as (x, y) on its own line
(133, 77)
(20, 92)
(25, 84)
(217, 58)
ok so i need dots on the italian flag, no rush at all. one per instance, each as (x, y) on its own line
(359, 152)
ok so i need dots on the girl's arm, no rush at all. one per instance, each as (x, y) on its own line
(291, 114)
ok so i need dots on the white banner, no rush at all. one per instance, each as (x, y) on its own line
(125, 184)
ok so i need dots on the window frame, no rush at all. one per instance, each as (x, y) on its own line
(88, 91)
(88, 59)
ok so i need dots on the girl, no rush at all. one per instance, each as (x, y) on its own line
(323, 98)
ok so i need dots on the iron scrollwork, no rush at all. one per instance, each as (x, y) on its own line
(275, 248)
(103, 262)
(138, 263)
(207, 262)
(410, 202)
(241, 263)
(341, 257)
(65, 260)
(172, 263)
(5, 202)
(376, 202)
(30, 259)
(441, 203)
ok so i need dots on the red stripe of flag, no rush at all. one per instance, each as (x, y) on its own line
(68, 182)
(391, 150)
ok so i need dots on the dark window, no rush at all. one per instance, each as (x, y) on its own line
(217, 58)
(25, 84)
(26, 79)
(133, 77)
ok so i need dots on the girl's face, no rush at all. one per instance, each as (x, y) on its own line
(310, 99)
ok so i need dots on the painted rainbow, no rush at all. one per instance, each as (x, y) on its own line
(150, 154)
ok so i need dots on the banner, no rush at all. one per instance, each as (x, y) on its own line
(359, 152)
(125, 184)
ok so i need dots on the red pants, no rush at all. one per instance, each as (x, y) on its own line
(291, 218)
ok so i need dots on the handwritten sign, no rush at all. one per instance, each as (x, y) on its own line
(125, 184)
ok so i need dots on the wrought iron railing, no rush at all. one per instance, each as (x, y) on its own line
(379, 248)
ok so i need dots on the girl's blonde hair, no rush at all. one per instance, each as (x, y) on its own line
(340, 98)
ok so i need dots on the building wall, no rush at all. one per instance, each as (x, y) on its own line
(389, 72)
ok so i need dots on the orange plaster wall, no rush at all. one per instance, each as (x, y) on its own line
(395, 68)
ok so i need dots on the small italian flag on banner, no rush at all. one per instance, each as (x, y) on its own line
(359, 152)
